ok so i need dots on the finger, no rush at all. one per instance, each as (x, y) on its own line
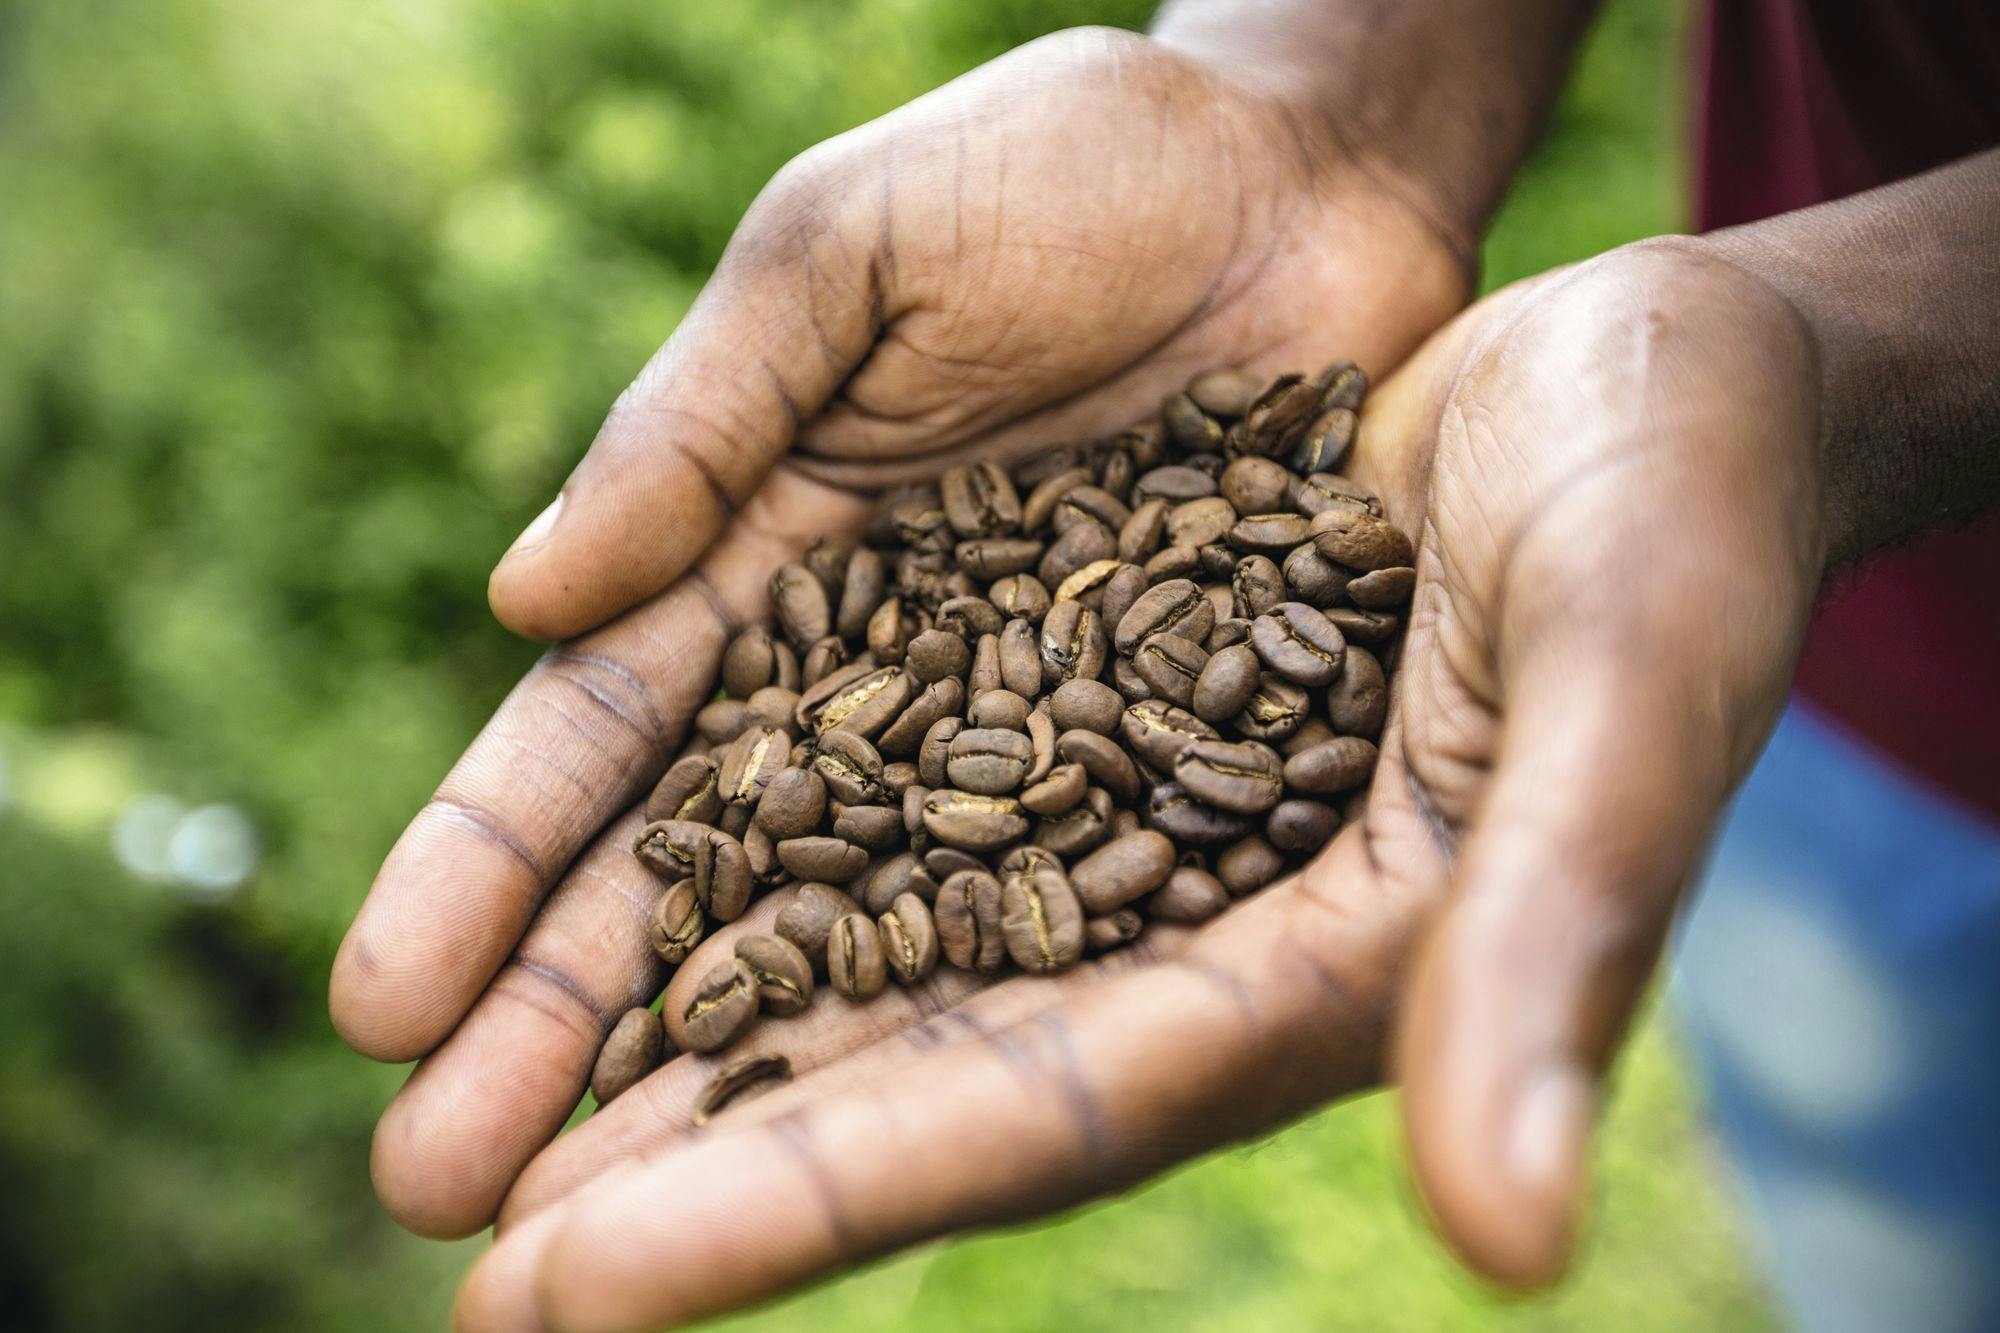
(576, 742)
(791, 309)
(1276, 1006)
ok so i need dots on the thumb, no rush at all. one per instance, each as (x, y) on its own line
(1606, 780)
(788, 314)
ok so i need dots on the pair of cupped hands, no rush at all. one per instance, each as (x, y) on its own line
(1612, 474)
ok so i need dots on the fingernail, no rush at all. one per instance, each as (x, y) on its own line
(538, 531)
(1545, 1139)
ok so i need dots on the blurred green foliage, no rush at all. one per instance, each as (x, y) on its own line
(307, 309)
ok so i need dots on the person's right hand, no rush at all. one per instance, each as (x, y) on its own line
(1038, 253)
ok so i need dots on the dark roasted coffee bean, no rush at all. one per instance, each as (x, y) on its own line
(686, 791)
(1313, 579)
(851, 770)
(1086, 705)
(743, 1078)
(1083, 504)
(999, 708)
(1086, 541)
(1342, 384)
(860, 698)
(800, 602)
(1383, 590)
(968, 921)
(783, 974)
(1331, 767)
(1226, 683)
(875, 827)
(722, 1008)
(855, 965)
(1171, 811)
(1299, 825)
(940, 699)
(1177, 606)
(1247, 778)
(1228, 632)
(1174, 562)
(830, 860)
(1121, 590)
(1104, 761)
(1039, 508)
(1078, 829)
(1274, 420)
(1176, 485)
(889, 633)
(753, 660)
(1324, 444)
(1143, 532)
(1188, 426)
(773, 706)
(1315, 494)
(1041, 921)
(1357, 703)
(1201, 522)
(1370, 627)
(1256, 586)
(1129, 683)
(1170, 666)
(1116, 473)
(793, 804)
(969, 616)
(1123, 871)
(909, 939)
(972, 821)
(1272, 535)
(632, 1051)
(1299, 643)
(1058, 792)
(828, 559)
(1275, 710)
(988, 760)
(760, 851)
(1041, 744)
(893, 877)
(822, 659)
(979, 499)
(860, 593)
(808, 918)
(935, 752)
(1071, 645)
(675, 924)
(1359, 540)
(751, 761)
(1256, 485)
(1087, 584)
(1020, 657)
(1248, 865)
(1158, 731)
(935, 654)
(1021, 596)
(722, 721)
(1188, 898)
(1102, 934)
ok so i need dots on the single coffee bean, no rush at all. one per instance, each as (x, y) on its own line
(935, 654)
(891, 878)
(1143, 532)
(773, 706)
(676, 924)
(855, 964)
(1332, 767)
(1370, 627)
(808, 919)
(1225, 685)
(1313, 579)
(1170, 810)
(827, 558)
(1385, 589)
(1218, 564)
(1228, 632)
(859, 698)
(849, 768)
(1041, 921)
(1247, 778)
(968, 921)
(1321, 491)
(1357, 703)
(1170, 666)
(860, 593)
(760, 850)
(1086, 705)
(723, 1007)
(878, 828)
(1089, 504)
(1121, 590)
(1198, 523)
(1039, 508)
(1123, 871)
(1299, 643)
(1021, 657)
(1276, 709)
(1115, 473)
(897, 778)
(909, 940)
(1276, 417)
(722, 721)
(1359, 540)
(800, 603)
(1248, 865)
(744, 1078)
(1058, 792)
(830, 860)
(1299, 825)
(969, 616)
(1325, 443)
(1080, 828)
(782, 972)
(979, 499)
(792, 805)
(1188, 426)
(1257, 585)
(1021, 596)
(1269, 534)
(753, 660)
(1172, 562)
(1174, 485)
(1342, 384)
(1086, 541)
(999, 708)
(1224, 393)
(989, 761)
(1131, 686)
(972, 821)
(1087, 584)
(753, 759)
(1041, 745)
(1072, 645)
(822, 659)
(1189, 897)
(941, 863)
(1256, 485)
(1104, 761)
(1102, 934)
(687, 791)
(632, 1051)
(889, 632)
(1158, 731)
(1177, 606)
(941, 699)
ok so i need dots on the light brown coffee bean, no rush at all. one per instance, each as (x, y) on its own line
(1357, 703)
(935, 654)
(1003, 709)
(783, 974)
(1170, 666)
(1177, 606)
(855, 964)
(800, 603)
(1021, 596)
(1080, 828)
(968, 921)
(1248, 865)
(1158, 731)
(972, 821)
(1020, 657)
(879, 828)
(909, 940)
(941, 699)
(687, 791)
(632, 1051)
(989, 761)
(721, 721)
(722, 1008)
(1143, 532)
(808, 918)
(675, 925)
(829, 860)
(1359, 540)
(849, 768)
(1123, 871)
(1299, 643)
(743, 1078)
(1058, 792)
(1225, 685)
(1256, 485)
(1071, 646)
(1299, 825)
(1384, 590)
(792, 805)
(979, 499)
(1087, 705)
(1331, 767)
(1276, 709)
(1244, 777)
(1188, 898)
(1198, 523)
(1102, 934)
(1041, 921)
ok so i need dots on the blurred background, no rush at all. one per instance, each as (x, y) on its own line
(307, 309)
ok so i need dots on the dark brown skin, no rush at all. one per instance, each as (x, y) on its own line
(1494, 849)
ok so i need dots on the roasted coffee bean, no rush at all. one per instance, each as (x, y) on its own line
(979, 499)
(1357, 703)
(1299, 825)
(935, 654)
(1021, 596)
(891, 878)
(1123, 871)
(800, 602)
(1041, 920)
(1198, 523)
(968, 921)
(1248, 865)
(1090, 504)
(1370, 627)
(1121, 590)
(849, 768)
(687, 791)
(969, 616)
(1269, 534)
(831, 860)
(855, 964)
(675, 925)
(1256, 485)
(1276, 709)
(1080, 828)
(920, 520)
(722, 1008)
(1086, 705)
(1256, 586)
(1143, 532)
(1020, 657)
(808, 918)
(1173, 562)
(935, 752)
(1158, 731)
(1217, 566)
(1224, 393)
(878, 828)
(940, 864)
(822, 659)
(1189, 897)
(1225, 685)
(1321, 491)
(1299, 643)
(1342, 384)
(909, 939)
(1115, 473)
(1041, 745)
(773, 706)
(722, 721)
(783, 974)
(1313, 579)
(1104, 761)
(632, 1051)
(1325, 443)
(1228, 632)
(940, 699)
(1087, 584)
(709, 858)
(914, 797)
(1102, 934)
(1130, 684)
(972, 821)
(1086, 541)
(753, 660)
(744, 1078)
(1360, 540)
(859, 698)
(1175, 485)
(1177, 607)
(760, 852)
(1188, 426)
(793, 804)
(988, 760)
(1331, 767)
(1072, 645)
(751, 761)
(999, 708)
(1058, 792)
(1383, 590)
(860, 592)
(889, 633)
(1247, 778)
(1040, 506)
(1170, 810)
(1274, 420)
(1170, 666)
(828, 559)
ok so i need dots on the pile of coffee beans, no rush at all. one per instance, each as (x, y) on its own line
(1033, 710)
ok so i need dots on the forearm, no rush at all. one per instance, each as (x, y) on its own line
(1440, 98)
(1901, 290)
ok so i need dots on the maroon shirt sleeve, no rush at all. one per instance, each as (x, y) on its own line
(1802, 102)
